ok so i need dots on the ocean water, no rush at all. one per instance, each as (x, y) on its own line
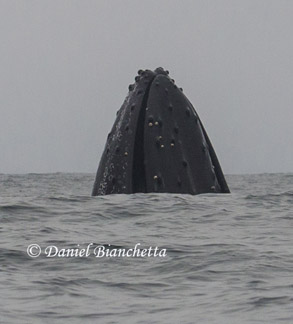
(229, 257)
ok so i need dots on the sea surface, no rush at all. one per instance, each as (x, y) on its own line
(229, 257)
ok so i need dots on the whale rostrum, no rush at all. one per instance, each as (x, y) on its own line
(158, 144)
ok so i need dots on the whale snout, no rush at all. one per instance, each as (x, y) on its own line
(158, 143)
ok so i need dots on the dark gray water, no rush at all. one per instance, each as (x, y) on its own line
(229, 257)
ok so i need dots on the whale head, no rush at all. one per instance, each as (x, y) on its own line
(158, 143)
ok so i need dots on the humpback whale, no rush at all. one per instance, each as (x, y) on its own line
(158, 144)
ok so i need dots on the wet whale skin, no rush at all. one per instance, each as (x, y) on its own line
(158, 144)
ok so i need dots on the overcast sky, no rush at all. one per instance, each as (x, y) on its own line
(66, 66)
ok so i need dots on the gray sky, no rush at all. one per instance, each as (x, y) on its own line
(66, 66)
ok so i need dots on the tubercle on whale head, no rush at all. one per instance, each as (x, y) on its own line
(158, 143)
(146, 77)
